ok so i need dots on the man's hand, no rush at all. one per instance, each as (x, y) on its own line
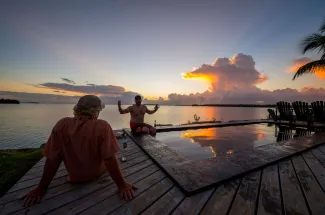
(50, 168)
(126, 191)
(156, 107)
(33, 197)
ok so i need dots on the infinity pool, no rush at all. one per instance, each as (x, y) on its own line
(208, 143)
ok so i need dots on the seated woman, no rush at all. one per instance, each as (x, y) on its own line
(137, 112)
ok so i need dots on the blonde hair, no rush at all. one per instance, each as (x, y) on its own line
(82, 111)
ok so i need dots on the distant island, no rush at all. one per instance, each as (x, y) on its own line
(9, 101)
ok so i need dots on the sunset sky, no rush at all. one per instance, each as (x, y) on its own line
(51, 50)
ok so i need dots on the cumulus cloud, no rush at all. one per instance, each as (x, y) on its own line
(226, 74)
(299, 62)
(68, 81)
(235, 80)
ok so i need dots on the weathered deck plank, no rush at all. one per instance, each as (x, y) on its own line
(40, 173)
(167, 203)
(65, 187)
(100, 195)
(112, 203)
(293, 199)
(62, 172)
(316, 167)
(71, 196)
(319, 155)
(40, 169)
(145, 199)
(193, 204)
(33, 182)
(221, 199)
(322, 148)
(9, 197)
(269, 197)
(314, 194)
(246, 198)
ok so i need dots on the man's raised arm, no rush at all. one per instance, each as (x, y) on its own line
(127, 110)
(152, 111)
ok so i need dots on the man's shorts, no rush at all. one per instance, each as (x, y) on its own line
(135, 126)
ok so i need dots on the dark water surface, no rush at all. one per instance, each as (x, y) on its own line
(208, 143)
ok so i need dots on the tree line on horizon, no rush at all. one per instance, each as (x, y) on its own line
(9, 101)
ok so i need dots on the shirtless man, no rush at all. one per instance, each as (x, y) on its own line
(137, 112)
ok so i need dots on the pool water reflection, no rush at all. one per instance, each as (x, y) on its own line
(211, 142)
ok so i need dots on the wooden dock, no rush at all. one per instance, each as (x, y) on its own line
(293, 186)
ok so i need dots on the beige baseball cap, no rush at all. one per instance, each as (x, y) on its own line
(91, 102)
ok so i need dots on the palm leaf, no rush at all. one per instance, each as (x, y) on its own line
(311, 67)
(322, 28)
(312, 42)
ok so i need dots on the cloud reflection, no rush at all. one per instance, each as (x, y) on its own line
(231, 139)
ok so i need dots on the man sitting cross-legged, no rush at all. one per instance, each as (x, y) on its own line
(137, 112)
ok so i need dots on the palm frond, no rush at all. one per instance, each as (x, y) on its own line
(311, 67)
(322, 57)
(322, 28)
(312, 42)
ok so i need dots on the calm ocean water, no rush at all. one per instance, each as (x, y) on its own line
(28, 125)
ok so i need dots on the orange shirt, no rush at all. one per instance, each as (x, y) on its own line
(83, 144)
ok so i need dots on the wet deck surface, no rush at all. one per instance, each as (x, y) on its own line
(295, 185)
(194, 176)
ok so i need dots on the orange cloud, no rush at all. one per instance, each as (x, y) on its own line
(209, 79)
(303, 61)
(261, 79)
